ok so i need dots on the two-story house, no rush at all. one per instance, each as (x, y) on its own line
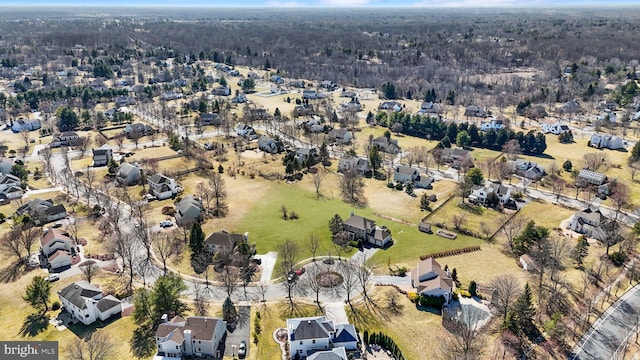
(358, 164)
(390, 105)
(456, 157)
(102, 155)
(42, 211)
(25, 125)
(86, 303)
(483, 194)
(137, 130)
(339, 136)
(197, 336)
(128, 174)
(606, 141)
(222, 240)
(429, 279)
(404, 174)
(367, 230)
(594, 178)
(67, 138)
(162, 187)
(270, 145)
(493, 124)
(10, 186)
(588, 222)
(309, 335)
(57, 247)
(188, 210)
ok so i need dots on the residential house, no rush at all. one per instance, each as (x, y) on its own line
(10, 193)
(387, 145)
(57, 247)
(607, 116)
(360, 165)
(302, 155)
(348, 93)
(67, 138)
(309, 94)
(606, 141)
(128, 174)
(571, 107)
(5, 165)
(210, 119)
(428, 107)
(170, 95)
(8, 181)
(277, 79)
(313, 334)
(333, 354)
(390, 105)
(137, 130)
(258, 114)
(588, 222)
(599, 180)
(223, 240)
(475, 111)
(188, 210)
(555, 129)
(404, 174)
(352, 105)
(102, 155)
(162, 187)
(456, 157)
(224, 90)
(329, 85)
(367, 230)
(270, 145)
(241, 98)
(303, 110)
(300, 84)
(608, 105)
(429, 279)
(26, 125)
(339, 136)
(42, 211)
(197, 336)
(483, 194)
(493, 124)
(122, 101)
(529, 169)
(313, 126)
(86, 303)
(246, 131)
(253, 75)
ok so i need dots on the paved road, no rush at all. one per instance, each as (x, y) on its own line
(609, 332)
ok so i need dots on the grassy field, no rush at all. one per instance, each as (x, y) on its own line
(479, 219)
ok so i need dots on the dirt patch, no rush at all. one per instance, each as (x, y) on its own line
(128, 311)
(329, 279)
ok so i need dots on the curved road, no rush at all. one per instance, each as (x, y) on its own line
(608, 335)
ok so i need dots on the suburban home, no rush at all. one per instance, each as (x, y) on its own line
(475, 111)
(367, 230)
(429, 279)
(170, 95)
(8, 181)
(241, 98)
(246, 131)
(42, 211)
(588, 222)
(339, 136)
(387, 145)
(456, 157)
(428, 107)
(210, 119)
(277, 79)
(102, 155)
(5, 165)
(222, 91)
(360, 165)
(352, 105)
(599, 180)
(128, 174)
(333, 354)
(253, 75)
(303, 154)
(329, 85)
(404, 174)
(309, 94)
(303, 110)
(608, 105)
(67, 138)
(606, 141)
(188, 210)
(493, 124)
(222, 240)
(313, 126)
(300, 84)
(197, 336)
(481, 195)
(137, 130)
(57, 247)
(529, 169)
(527, 263)
(390, 105)
(607, 116)
(313, 334)
(162, 187)
(270, 145)
(555, 129)
(570, 107)
(258, 114)
(86, 303)
(122, 101)
(25, 125)
(12, 192)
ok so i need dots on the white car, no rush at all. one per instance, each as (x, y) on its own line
(166, 224)
(52, 277)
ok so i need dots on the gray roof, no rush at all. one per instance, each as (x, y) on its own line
(223, 238)
(309, 329)
(592, 176)
(202, 328)
(406, 170)
(337, 353)
(107, 303)
(359, 222)
(77, 292)
(159, 179)
(345, 333)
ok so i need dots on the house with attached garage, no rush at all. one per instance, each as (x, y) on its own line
(606, 141)
(137, 130)
(270, 145)
(223, 240)
(57, 247)
(387, 145)
(529, 169)
(128, 174)
(493, 124)
(429, 279)
(196, 336)
(555, 129)
(588, 222)
(102, 155)
(162, 187)
(483, 195)
(25, 125)
(309, 94)
(367, 230)
(210, 119)
(456, 157)
(86, 303)
(188, 210)
(42, 211)
(428, 107)
(333, 354)
(311, 335)
(360, 165)
(475, 111)
(10, 186)
(67, 138)
(390, 105)
(339, 136)
(593, 178)
(404, 174)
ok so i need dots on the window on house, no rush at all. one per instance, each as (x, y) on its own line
(300, 342)
(176, 347)
(313, 341)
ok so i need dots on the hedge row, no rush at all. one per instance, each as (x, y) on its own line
(440, 254)
(384, 341)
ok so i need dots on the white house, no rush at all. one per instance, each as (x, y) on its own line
(529, 169)
(333, 354)
(555, 129)
(162, 187)
(492, 124)
(86, 303)
(390, 105)
(404, 174)
(481, 195)
(313, 334)
(588, 222)
(56, 247)
(360, 165)
(198, 336)
(428, 278)
(606, 141)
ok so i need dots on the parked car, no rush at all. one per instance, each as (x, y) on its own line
(242, 350)
(256, 261)
(166, 224)
(291, 276)
(300, 271)
(52, 277)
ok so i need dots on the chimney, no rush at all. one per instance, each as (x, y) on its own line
(188, 346)
(164, 318)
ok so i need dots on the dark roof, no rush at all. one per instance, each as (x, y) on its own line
(359, 222)
(107, 303)
(159, 179)
(309, 329)
(223, 238)
(345, 333)
(77, 292)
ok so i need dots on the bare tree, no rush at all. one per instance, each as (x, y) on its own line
(83, 144)
(153, 136)
(466, 342)
(289, 252)
(200, 300)
(11, 245)
(506, 289)
(262, 288)
(24, 135)
(228, 277)
(595, 161)
(89, 183)
(205, 192)
(219, 194)
(352, 188)
(162, 246)
(365, 278)
(96, 346)
(512, 149)
(314, 243)
(89, 271)
(312, 282)
(557, 187)
(317, 178)
(349, 283)
(619, 196)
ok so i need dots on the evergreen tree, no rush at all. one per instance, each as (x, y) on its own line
(223, 81)
(375, 158)
(473, 288)
(67, 119)
(196, 238)
(336, 224)
(523, 312)
(532, 234)
(37, 293)
(581, 250)
(229, 313)
(425, 203)
(635, 152)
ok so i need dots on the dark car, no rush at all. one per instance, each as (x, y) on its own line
(291, 276)
(242, 350)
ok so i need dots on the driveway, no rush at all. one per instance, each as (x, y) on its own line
(335, 312)
(268, 263)
(609, 333)
(240, 333)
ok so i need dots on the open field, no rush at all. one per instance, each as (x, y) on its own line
(478, 219)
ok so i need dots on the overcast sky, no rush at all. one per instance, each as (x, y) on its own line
(324, 3)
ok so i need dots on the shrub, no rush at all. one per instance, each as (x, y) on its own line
(473, 288)
(450, 252)
(431, 301)
(168, 210)
(464, 293)
(399, 186)
(618, 258)
(390, 185)
(55, 306)
(413, 296)
(293, 215)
